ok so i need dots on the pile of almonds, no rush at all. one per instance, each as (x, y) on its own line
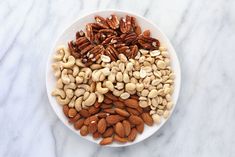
(113, 79)
(114, 120)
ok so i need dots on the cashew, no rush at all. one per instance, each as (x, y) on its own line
(57, 69)
(69, 93)
(130, 87)
(106, 71)
(70, 86)
(111, 77)
(143, 104)
(93, 86)
(105, 58)
(66, 54)
(95, 66)
(87, 74)
(138, 55)
(102, 77)
(161, 64)
(115, 70)
(69, 63)
(75, 70)
(168, 97)
(143, 51)
(143, 73)
(90, 100)
(72, 79)
(84, 86)
(78, 104)
(132, 92)
(136, 74)
(59, 53)
(58, 92)
(96, 75)
(134, 80)
(165, 54)
(70, 71)
(86, 95)
(79, 63)
(169, 105)
(121, 67)
(117, 92)
(64, 77)
(125, 95)
(109, 85)
(119, 77)
(72, 102)
(79, 80)
(142, 98)
(145, 92)
(100, 89)
(153, 93)
(156, 118)
(119, 85)
(79, 92)
(62, 101)
(126, 78)
(146, 63)
(100, 97)
(59, 84)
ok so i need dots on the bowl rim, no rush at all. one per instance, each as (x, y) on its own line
(48, 66)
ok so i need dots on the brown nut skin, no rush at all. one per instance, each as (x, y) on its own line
(113, 119)
(122, 112)
(102, 125)
(135, 120)
(119, 139)
(147, 119)
(78, 124)
(109, 132)
(119, 129)
(72, 112)
(132, 135)
(66, 110)
(74, 119)
(84, 130)
(96, 135)
(127, 127)
(132, 103)
(107, 140)
(84, 113)
(140, 127)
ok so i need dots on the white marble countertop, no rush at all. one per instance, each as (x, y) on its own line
(203, 34)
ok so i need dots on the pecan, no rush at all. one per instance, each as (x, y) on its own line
(85, 50)
(129, 38)
(102, 21)
(125, 24)
(108, 31)
(73, 51)
(148, 42)
(134, 50)
(111, 52)
(146, 33)
(113, 22)
(81, 40)
(89, 31)
(80, 34)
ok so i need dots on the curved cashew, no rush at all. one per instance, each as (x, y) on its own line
(109, 85)
(62, 101)
(69, 93)
(66, 54)
(86, 95)
(95, 66)
(102, 77)
(100, 89)
(106, 71)
(81, 74)
(100, 97)
(96, 75)
(64, 77)
(79, 79)
(87, 74)
(79, 92)
(70, 86)
(72, 79)
(75, 70)
(117, 92)
(69, 63)
(58, 92)
(59, 84)
(57, 69)
(59, 53)
(78, 104)
(111, 77)
(84, 86)
(79, 63)
(90, 100)
(72, 102)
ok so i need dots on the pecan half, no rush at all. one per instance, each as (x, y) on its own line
(113, 22)
(125, 24)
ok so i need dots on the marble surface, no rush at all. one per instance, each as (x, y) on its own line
(203, 34)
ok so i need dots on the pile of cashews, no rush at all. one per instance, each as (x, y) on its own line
(149, 75)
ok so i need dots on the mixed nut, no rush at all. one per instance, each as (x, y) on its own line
(112, 79)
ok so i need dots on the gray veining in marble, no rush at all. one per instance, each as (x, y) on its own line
(203, 34)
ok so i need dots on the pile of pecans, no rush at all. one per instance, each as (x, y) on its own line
(113, 79)
(114, 120)
(110, 37)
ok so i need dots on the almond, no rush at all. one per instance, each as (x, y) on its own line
(132, 135)
(104, 106)
(96, 135)
(119, 139)
(93, 110)
(92, 127)
(119, 129)
(135, 120)
(97, 105)
(107, 101)
(127, 127)
(102, 125)
(133, 111)
(84, 113)
(122, 112)
(108, 132)
(66, 110)
(84, 130)
(109, 110)
(107, 140)
(72, 112)
(147, 118)
(102, 114)
(78, 124)
(132, 103)
(111, 96)
(74, 119)
(140, 127)
(113, 119)
(87, 121)
(119, 104)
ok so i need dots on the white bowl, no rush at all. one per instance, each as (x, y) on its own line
(69, 34)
